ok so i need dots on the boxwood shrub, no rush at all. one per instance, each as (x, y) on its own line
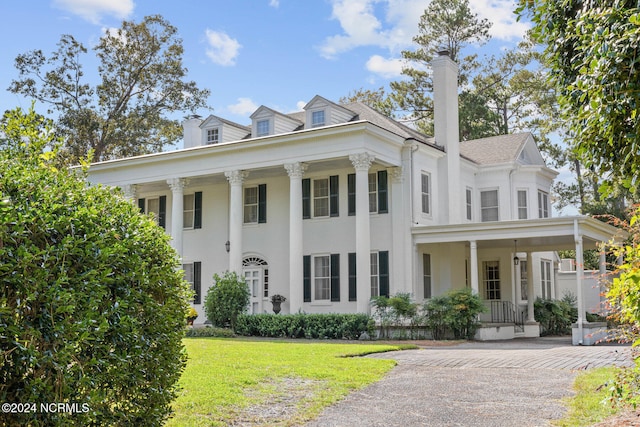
(301, 325)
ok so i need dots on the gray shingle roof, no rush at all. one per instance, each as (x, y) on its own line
(495, 149)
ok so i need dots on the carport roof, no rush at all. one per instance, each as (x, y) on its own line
(533, 235)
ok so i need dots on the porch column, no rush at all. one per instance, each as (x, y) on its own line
(177, 208)
(473, 255)
(579, 275)
(295, 171)
(362, 163)
(235, 178)
(602, 264)
(129, 191)
(530, 296)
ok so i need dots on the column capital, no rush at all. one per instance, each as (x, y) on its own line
(295, 170)
(361, 161)
(177, 184)
(236, 177)
(396, 174)
(129, 191)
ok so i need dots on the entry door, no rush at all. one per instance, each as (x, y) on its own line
(252, 277)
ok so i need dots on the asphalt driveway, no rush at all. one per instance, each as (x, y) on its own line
(507, 383)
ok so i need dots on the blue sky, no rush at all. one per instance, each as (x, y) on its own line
(278, 53)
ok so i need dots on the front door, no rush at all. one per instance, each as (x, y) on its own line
(252, 277)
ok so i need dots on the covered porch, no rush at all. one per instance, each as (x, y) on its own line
(504, 252)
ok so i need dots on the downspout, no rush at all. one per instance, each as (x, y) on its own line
(414, 148)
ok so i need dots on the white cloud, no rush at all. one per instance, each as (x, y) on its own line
(300, 105)
(500, 13)
(93, 10)
(387, 68)
(222, 49)
(243, 106)
(274, 3)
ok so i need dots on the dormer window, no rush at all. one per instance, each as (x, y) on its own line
(317, 118)
(262, 127)
(213, 136)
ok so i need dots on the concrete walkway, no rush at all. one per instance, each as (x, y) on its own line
(506, 383)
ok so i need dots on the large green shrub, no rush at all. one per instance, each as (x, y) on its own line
(226, 299)
(555, 316)
(92, 305)
(399, 311)
(301, 325)
(457, 311)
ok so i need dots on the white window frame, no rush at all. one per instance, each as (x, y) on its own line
(318, 123)
(373, 192)
(546, 282)
(524, 280)
(523, 210)
(251, 207)
(375, 274)
(469, 203)
(209, 133)
(156, 211)
(492, 286)
(259, 127)
(320, 280)
(484, 209)
(427, 276)
(425, 193)
(188, 211)
(318, 198)
(543, 204)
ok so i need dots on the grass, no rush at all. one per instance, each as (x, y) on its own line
(229, 381)
(587, 407)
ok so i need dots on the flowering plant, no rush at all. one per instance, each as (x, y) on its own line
(277, 298)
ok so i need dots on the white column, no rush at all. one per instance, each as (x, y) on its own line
(399, 233)
(129, 191)
(473, 267)
(579, 275)
(530, 290)
(296, 172)
(235, 178)
(177, 211)
(362, 163)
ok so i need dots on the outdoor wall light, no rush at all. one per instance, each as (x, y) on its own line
(516, 260)
(227, 246)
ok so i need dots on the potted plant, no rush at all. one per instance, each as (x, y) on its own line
(192, 314)
(276, 300)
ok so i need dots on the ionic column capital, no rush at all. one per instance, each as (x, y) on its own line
(295, 170)
(236, 177)
(361, 161)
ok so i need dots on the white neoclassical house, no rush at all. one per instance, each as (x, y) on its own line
(338, 203)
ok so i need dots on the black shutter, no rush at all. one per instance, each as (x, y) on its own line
(141, 205)
(162, 212)
(197, 209)
(306, 273)
(197, 275)
(262, 203)
(351, 194)
(383, 205)
(306, 198)
(352, 277)
(383, 270)
(335, 277)
(333, 196)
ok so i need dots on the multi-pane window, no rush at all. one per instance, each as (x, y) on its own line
(321, 197)
(543, 204)
(491, 279)
(373, 193)
(545, 278)
(213, 136)
(262, 127)
(522, 204)
(468, 201)
(192, 275)
(156, 206)
(375, 275)
(426, 275)
(426, 193)
(322, 277)
(524, 280)
(250, 205)
(378, 193)
(317, 118)
(489, 205)
(189, 209)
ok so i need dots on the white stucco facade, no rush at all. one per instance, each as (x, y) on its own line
(336, 204)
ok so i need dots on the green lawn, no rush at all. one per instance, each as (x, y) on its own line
(274, 382)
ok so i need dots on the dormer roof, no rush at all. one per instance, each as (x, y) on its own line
(216, 121)
(517, 147)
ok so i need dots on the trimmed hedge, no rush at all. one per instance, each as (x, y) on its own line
(209, 331)
(300, 325)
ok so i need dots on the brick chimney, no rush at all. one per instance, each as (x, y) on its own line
(446, 129)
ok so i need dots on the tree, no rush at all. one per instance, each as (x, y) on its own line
(376, 99)
(142, 81)
(92, 305)
(591, 50)
(226, 300)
